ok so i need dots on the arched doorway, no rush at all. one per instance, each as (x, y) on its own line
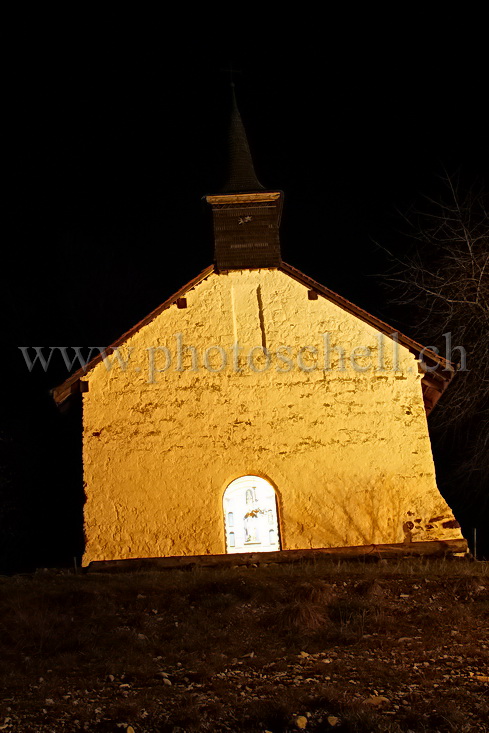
(250, 516)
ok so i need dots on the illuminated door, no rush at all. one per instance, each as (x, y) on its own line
(250, 516)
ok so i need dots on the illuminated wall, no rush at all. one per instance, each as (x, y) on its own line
(342, 437)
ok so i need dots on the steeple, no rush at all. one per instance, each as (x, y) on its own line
(246, 216)
(241, 171)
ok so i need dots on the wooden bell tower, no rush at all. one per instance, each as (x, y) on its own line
(246, 217)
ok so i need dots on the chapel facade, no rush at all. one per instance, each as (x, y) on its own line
(257, 411)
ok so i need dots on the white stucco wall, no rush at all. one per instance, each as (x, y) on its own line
(348, 451)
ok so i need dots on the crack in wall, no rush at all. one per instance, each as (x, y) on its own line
(260, 317)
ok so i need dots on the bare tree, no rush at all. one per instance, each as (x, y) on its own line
(445, 281)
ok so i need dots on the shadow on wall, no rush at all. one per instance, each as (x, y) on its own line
(376, 512)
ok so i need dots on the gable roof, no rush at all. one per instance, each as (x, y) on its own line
(434, 382)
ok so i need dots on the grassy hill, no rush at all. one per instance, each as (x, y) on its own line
(389, 646)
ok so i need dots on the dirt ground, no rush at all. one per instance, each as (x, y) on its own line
(389, 646)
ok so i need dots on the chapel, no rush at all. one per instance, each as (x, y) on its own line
(255, 410)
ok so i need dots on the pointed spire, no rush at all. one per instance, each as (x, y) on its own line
(242, 177)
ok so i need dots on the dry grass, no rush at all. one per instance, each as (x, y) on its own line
(248, 649)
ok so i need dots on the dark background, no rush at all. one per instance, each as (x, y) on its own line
(114, 139)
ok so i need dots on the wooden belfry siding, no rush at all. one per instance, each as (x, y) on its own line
(246, 237)
(246, 230)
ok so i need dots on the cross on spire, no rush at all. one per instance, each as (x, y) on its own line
(231, 70)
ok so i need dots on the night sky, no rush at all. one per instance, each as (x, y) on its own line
(113, 141)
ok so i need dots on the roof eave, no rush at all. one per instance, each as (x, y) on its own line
(430, 357)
